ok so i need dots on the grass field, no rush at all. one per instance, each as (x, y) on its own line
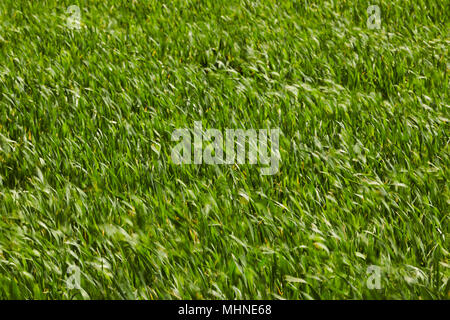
(87, 182)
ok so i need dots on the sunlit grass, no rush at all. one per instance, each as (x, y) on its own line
(86, 177)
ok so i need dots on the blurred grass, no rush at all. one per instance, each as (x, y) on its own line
(86, 177)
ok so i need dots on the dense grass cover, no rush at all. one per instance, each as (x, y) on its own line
(87, 181)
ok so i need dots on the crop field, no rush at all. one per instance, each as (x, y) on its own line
(94, 206)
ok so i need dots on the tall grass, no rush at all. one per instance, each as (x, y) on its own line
(86, 178)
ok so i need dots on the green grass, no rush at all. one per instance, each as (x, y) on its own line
(86, 177)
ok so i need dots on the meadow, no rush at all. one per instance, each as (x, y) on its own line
(93, 207)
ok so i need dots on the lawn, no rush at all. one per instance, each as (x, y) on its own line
(92, 205)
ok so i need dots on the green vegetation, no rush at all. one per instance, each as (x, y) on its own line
(87, 181)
